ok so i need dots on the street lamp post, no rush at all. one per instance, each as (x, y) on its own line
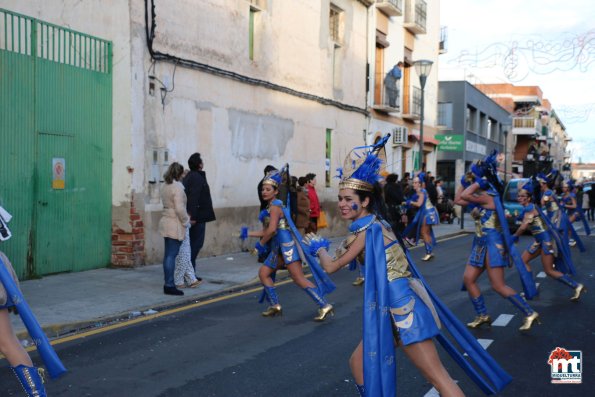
(422, 68)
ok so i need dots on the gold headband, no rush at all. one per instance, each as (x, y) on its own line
(355, 184)
(269, 181)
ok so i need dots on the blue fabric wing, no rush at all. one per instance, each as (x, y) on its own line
(44, 348)
(526, 277)
(494, 378)
(380, 374)
(323, 282)
(564, 260)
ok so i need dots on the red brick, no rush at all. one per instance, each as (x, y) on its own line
(135, 217)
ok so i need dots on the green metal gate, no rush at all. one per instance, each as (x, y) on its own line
(55, 146)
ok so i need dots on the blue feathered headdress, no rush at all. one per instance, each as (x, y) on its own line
(422, 177)
(568, 183)
(272, 178)
(528, 187)
(361, 169)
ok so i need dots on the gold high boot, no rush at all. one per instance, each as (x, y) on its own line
(324, 311)
(529, 320)
(479, 320)
(273, 311)
(580, 289)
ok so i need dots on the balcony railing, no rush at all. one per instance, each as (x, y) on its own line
(442, 45)
(415, 16)
(412, 104)
(392, 8)
(526, 126)
(388, 101)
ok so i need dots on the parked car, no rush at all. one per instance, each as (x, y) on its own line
(588, 186)
(511, 204)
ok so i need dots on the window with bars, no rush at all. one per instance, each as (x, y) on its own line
(335, 23)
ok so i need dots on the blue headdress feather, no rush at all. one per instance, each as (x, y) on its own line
(541, 177)
(362, 166)
(422, 177)
(528, 187)
(369, 170)
(272, 178)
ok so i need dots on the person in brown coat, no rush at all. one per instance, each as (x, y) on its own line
(173, 223)
(303, 206)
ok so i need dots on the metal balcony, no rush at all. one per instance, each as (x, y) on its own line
(384, 103)
(527, 125)
(392, 8)
(412, 104)
(415, 16)
(367, 3)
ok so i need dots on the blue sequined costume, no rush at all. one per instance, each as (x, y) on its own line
(540, 231)
(282, 243)
(488, 241)
(398, 303)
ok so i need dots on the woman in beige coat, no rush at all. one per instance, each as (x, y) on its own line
(173, 223)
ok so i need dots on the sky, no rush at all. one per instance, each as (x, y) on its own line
(546, 43)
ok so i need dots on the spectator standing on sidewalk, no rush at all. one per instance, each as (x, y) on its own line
(314, 203)
(173, 223)
(393, 197)
(302, 219)
(200, 205)
(406, 185)
(587, 205)
(431, 188)
(440, 192)
(591, 194)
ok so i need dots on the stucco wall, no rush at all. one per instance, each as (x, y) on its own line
(239, 128)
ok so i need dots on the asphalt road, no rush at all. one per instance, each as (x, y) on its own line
(226, 349)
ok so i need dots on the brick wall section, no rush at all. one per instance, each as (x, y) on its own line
(128, 247)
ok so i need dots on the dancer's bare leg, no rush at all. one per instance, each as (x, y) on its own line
(425, 357)
(10, 345)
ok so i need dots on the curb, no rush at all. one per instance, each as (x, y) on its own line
(57, 331)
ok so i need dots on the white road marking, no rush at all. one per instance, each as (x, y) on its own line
(434, 393)
(485, 343)
(502, 320)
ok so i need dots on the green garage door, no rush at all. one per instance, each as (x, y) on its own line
(55, 137)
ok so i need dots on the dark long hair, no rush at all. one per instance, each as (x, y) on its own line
(377, 204)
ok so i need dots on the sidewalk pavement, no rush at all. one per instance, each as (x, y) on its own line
(74, 302)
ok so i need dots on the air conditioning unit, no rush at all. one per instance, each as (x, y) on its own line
(400, 135)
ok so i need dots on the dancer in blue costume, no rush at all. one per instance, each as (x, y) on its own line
(574, 213)
(544, 242)
(399, 309)
(424, 219)
(489, 254)
(278, 245)
(558, 217)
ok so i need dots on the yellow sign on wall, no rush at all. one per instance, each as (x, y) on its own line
(58, 173)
